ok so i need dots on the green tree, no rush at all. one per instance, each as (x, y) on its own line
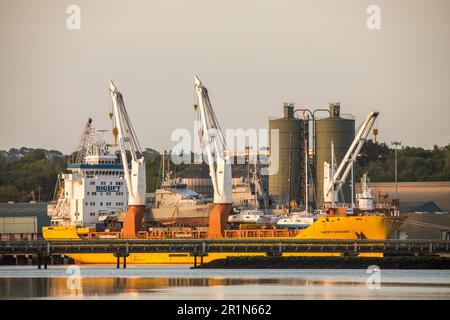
(414, 163)
(31, 173)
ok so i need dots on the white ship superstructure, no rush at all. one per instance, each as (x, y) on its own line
(365, 199)
(93, 188)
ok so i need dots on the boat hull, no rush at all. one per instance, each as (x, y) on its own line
(350, 227)
(194, 215)
(364, 227)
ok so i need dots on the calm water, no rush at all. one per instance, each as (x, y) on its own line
(156, 282)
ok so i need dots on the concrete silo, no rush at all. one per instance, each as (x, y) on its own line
(287, 184)
(341, 130)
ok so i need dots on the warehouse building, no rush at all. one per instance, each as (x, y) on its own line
(20, 221)
(424, 226)
(408, 192)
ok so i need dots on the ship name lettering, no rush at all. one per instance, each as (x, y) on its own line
(107, 188)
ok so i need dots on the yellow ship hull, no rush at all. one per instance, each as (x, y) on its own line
(348, 227)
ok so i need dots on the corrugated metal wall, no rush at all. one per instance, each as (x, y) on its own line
(19, 225)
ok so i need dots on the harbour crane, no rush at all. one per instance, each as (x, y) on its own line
(135, 178)
(219, 163)
(334, 178)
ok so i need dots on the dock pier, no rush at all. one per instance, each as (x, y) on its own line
(47, 251)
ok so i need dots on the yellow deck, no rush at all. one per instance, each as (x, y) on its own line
(347, 227)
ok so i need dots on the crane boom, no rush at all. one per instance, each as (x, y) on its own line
(135, 178)
(218, 161)
(215, 145)
(79, 155)
(332, 187)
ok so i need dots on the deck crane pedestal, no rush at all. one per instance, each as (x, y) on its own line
(218, 160)
(135, 178)
(334, 178)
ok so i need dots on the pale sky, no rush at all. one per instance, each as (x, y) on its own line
(252, 55)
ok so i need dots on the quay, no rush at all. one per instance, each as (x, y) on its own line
(44, 250)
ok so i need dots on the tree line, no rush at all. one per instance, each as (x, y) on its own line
(413, 163)
(33, 176)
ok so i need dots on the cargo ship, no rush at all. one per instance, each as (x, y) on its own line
(338, 227)
(335, 224)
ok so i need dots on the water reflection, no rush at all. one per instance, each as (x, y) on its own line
(103, 282)
(216, 288)
(61, 287)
